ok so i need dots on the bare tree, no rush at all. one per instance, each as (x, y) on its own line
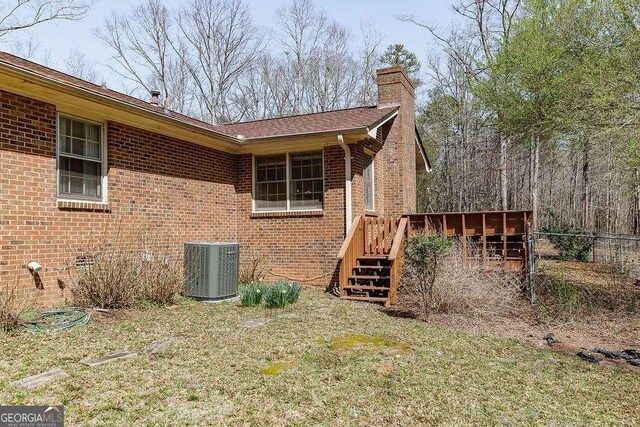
(217, 43)
(324, 71)
(22, 14)
(27, 48)
(491, 24)
(302, 34)
(370, 61)
(78, 65)
(142, 53)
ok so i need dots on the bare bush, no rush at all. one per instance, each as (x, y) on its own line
(124, 270)
(460, 286)
(12, 307)
(106, 277)
(254, 269)
(161, 279)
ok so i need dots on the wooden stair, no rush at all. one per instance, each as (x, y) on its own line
(371, 260)
(370, 279)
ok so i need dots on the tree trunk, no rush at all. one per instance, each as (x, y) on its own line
(503, 173)
(585, 182)
(636, 204)
(535, 172)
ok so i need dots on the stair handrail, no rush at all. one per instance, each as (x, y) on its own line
(398, 239)
(396, 256)
(347, 241)
(352, 247)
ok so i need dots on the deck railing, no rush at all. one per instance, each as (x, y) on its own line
(493, 238)
(378, 235)
(490, 239)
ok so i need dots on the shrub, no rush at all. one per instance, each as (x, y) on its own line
(424, 253)
(570, 247)
(251, 295)
(161, 279)
(459, 287)
(281, 293)
(108, 278)
(253, 270)
(118, 277)
(12, 308)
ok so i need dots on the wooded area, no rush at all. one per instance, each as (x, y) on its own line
(534, 105)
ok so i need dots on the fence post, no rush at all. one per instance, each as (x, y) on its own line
(531, 264)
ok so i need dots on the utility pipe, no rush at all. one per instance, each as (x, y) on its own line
(347, 182)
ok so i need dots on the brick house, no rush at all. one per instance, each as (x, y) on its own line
(75, 158)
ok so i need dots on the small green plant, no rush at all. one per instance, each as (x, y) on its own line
(563, 294)
(543, 313)
(570, 247)
(251, 295)
(294, 292)
(281, 293)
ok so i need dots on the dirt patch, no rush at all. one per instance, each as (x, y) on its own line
(604, 330)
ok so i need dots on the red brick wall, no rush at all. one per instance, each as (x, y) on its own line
(170, 191)
(300, 246)
(166, 190)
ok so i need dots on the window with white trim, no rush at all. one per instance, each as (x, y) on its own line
(80, 159)
(271, 183)
(368, 182)
(289, 182)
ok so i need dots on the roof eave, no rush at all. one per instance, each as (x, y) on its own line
(70, 89)
(372, 130)
(291, 136)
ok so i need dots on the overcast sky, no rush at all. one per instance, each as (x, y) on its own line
(57, 39)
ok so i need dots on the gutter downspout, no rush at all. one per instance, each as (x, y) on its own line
(347, 182)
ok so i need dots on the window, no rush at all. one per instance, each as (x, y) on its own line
(307, 186)
(80, 159)
(368, 182)
(289, 182)
(271, 183)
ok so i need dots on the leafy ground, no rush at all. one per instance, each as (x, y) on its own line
(338, 363)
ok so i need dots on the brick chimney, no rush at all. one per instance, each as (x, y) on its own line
(395, 88)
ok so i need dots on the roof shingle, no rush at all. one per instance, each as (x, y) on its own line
(330, 121)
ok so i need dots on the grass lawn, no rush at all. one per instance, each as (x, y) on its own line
(338, 363)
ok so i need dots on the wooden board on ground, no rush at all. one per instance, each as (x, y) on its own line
(108, 358)
(41, 379)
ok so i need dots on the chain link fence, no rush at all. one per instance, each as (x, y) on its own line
(599, 264)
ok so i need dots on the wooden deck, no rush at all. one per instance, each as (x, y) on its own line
(372, 254)
(493, 238)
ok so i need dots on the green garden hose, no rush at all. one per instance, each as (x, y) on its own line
(58, 319)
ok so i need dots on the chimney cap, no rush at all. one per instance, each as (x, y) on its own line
(397, 70)
(155, 97)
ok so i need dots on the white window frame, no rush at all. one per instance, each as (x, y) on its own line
(288, 161)
(373, 182)
(103, 164)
